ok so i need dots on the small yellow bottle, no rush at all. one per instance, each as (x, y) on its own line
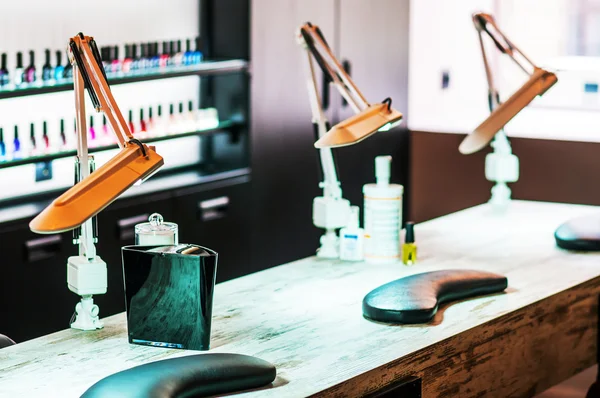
(409, 248)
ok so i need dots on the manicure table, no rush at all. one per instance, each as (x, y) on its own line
(305, 318)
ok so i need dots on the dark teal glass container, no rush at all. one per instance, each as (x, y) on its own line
(169, 295)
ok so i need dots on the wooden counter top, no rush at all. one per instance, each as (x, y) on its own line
(305, 317)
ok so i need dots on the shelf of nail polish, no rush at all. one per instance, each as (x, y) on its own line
(205, 68)
(19, 149)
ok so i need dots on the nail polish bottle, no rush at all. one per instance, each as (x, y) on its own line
(68, 70)
(190, 118)
(131, 126)
(92, 131)
(178, 56)
(30, 71)
(19, 75)
(155, 56)
(4, 76)
(59, 70)
(45, 138)
(409, 248)
(107, 139)
(150, 123)
(63, 136)
(198, 53)
(164, 57)
(135, 60)
(159, 122)
(17, 154)
(127, 61)
(116, 63)
(172, 123)
(33, 148)
(171, 52)
(47, 68)
(181, 120)
(2, 146)
(188, 52)
(104, 55)
(143, 129)
(143, 55)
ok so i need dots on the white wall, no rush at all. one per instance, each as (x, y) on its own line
(442, 38)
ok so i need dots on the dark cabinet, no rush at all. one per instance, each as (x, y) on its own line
(285, 165)
(217, 216)
(34, 298)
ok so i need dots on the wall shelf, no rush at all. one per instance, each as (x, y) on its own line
(224, 125)
(205, 68)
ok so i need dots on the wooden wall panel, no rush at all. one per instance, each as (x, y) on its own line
(443, 181)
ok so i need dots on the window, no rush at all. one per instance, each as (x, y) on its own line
(562, 35)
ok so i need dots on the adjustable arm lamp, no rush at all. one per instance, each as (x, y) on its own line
(502, 166)
(93, 192)
(331, 211)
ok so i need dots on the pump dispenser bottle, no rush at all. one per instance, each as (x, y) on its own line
(383, 215)
(352, 238)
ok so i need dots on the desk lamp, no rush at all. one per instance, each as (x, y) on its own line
(93, 190)
(502, 166)
(331, 211)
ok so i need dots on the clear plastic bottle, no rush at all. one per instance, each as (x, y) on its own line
(352, 238)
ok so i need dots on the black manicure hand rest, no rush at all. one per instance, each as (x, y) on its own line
(581, 233)
(191, 376)
(415, 298)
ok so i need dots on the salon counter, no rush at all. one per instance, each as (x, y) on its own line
(305, 317)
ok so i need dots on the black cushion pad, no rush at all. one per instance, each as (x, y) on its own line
(415, 298)
(581, 233)
(191, 376)
(5, 341)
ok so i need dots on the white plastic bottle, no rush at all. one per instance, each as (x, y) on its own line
(383, 215)
(351, 238)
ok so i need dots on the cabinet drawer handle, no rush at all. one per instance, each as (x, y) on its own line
(125, 226)
(42, 248)
(213, 209)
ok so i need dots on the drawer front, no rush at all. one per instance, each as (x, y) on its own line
(34, 297)
(219, 219)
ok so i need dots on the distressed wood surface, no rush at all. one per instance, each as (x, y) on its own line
(305, 317)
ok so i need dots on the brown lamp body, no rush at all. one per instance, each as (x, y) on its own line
(135, 162)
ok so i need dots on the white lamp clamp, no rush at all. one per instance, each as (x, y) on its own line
(502, 166)
(330, 211)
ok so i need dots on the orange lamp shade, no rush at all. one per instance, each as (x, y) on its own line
(98, 190)
(539, 82)
(360, 126)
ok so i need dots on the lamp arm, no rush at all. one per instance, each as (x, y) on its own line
(87, 72)
(317, 46)
(485, 23)
(84, 54)
(330, 184)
